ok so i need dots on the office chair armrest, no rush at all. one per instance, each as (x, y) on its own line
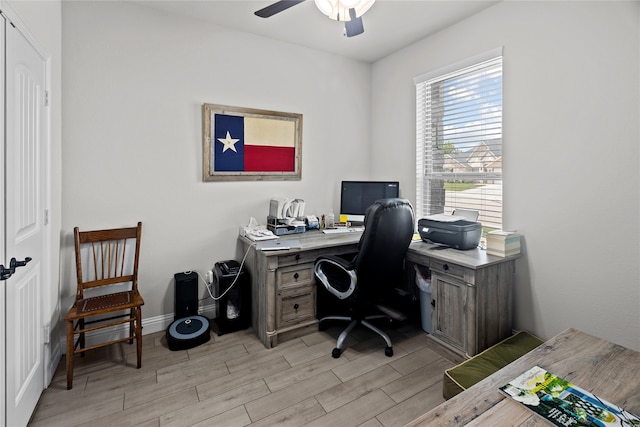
(337, 275)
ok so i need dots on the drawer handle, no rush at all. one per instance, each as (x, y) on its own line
(433, 303)
(297, 257)
(296, 307)
(445, 267)
(295, 276)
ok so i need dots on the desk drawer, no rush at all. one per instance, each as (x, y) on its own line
(310, 256)
(293, 276)
(295, 305)
(447, 268)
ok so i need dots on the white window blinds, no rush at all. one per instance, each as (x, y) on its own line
(459, 139)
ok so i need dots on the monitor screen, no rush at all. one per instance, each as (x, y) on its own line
(357, 196)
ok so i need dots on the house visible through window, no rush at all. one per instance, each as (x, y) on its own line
(459, 139)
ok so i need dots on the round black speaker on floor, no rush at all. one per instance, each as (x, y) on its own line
(188, 332)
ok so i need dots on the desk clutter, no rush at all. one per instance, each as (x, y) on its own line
(503, 243)
(287, 216)
(563, 403)
(464, 233)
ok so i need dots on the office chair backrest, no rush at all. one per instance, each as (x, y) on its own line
(388, 228)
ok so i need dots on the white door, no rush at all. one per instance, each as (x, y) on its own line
(24, 225)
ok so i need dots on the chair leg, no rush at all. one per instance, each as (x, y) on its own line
(335, 318)
(70, 347)
(139, 336)
(343, 336)
(132, 329)
(389, 350)
(82, 341)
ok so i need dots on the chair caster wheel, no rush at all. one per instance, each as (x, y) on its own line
(388, 351)
(336, 353)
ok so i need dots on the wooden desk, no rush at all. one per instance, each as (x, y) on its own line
(472, 291)
(609, 371)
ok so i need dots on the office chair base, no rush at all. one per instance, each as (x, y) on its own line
(336, 352)
(388, 351)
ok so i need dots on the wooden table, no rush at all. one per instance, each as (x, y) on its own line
(608, 370)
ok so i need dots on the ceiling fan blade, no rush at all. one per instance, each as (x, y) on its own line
(276, 7)
(354, 26)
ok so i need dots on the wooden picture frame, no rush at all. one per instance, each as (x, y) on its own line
(245, 144)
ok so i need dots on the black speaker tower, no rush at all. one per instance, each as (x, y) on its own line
(186, 295)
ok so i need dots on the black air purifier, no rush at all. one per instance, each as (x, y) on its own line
(188, 329)
(232, 287)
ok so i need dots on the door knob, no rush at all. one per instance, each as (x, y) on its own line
(5, 272)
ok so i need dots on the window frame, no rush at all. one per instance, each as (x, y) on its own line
(430, 198)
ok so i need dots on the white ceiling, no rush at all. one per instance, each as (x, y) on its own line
(389, 24)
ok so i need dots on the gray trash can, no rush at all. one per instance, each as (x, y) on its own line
(424, 285)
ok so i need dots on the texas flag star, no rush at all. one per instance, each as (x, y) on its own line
(229, 143)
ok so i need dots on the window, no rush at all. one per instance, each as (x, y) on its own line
(459, 139)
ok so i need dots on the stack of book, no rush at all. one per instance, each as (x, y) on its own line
(503, 243)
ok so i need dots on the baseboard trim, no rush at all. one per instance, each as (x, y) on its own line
(54, 359)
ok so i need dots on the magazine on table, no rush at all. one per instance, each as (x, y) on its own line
(563, 403)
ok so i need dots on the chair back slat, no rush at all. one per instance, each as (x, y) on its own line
(108, 281)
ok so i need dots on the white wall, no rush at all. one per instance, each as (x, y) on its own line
(134, 83)
(571, 152)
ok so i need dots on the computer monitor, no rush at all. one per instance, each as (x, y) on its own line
(357, 196)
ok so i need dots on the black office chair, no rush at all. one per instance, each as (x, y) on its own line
(367, 282)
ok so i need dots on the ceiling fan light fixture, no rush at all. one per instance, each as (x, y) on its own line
(338, 10)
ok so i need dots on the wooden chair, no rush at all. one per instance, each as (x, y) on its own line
(107, 274)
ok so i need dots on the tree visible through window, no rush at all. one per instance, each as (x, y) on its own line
(459, 139)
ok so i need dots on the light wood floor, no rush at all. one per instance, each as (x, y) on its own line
(233, 380)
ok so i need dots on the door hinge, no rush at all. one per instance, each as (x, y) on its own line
(46, 217)
(46, 98)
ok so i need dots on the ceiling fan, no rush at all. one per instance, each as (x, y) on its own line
(348, 11)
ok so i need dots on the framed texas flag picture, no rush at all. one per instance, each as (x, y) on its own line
(250, 144)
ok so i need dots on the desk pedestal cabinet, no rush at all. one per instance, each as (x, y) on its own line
(283, 285)
(471, 295)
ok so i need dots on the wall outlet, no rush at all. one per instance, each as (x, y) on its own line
(209, 277)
